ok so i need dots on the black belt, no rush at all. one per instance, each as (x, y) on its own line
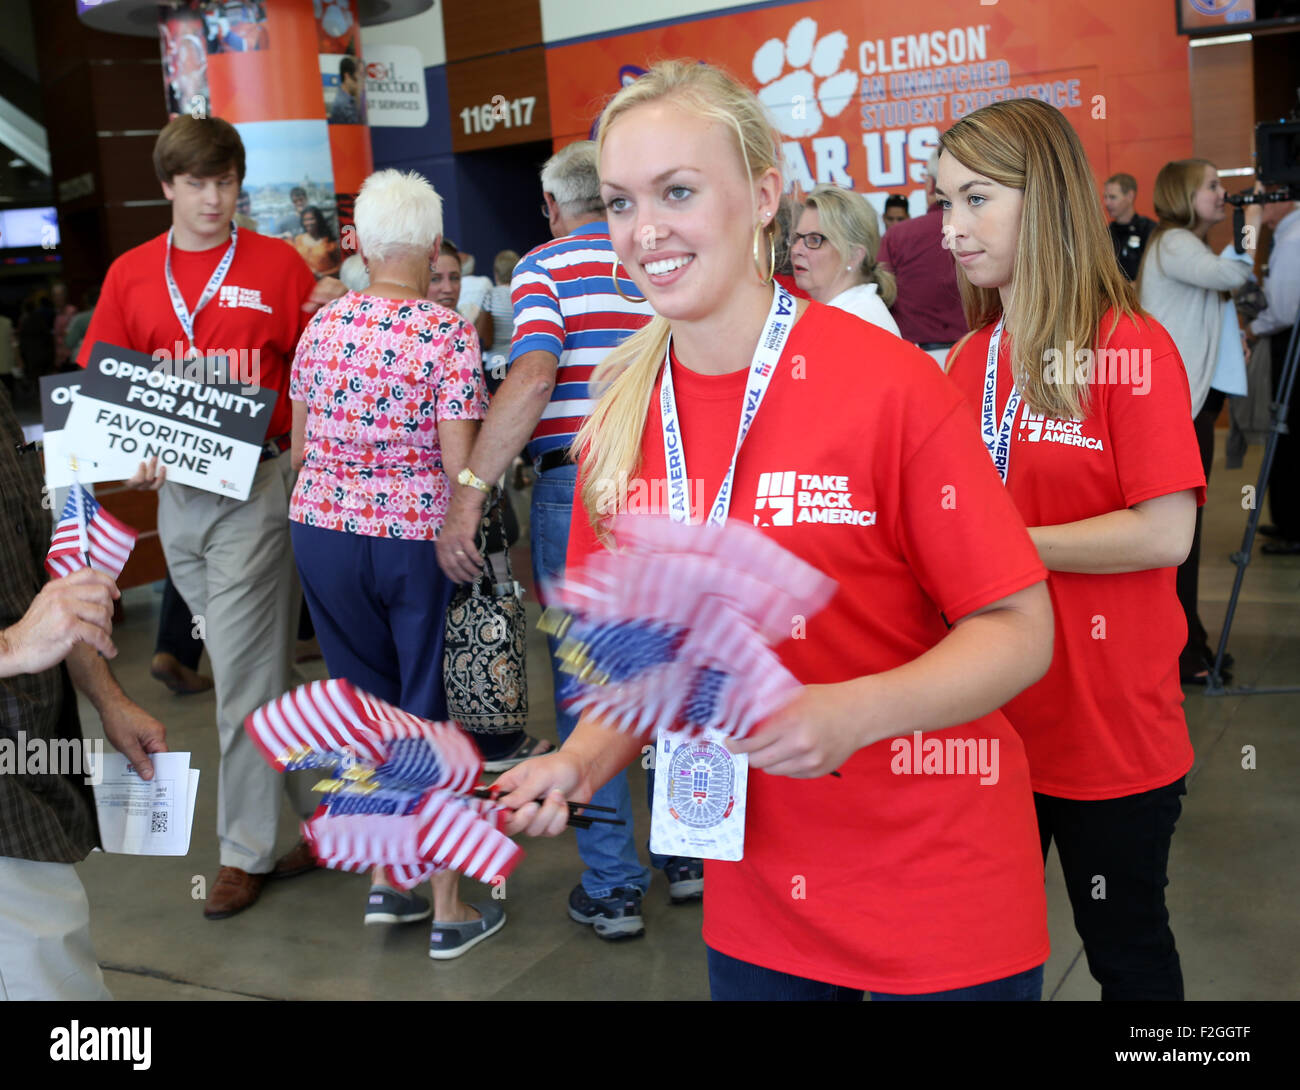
(552, 459)
(273, 448)
(935, 345)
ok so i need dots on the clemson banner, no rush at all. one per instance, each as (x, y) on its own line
(860, 93)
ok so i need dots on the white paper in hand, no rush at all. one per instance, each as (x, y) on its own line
(154, 817)
(699, 799)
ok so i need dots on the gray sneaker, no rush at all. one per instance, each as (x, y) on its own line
(615, 917)
(450, 940)
(393, 906)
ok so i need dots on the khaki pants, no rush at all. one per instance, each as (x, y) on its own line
(45, 950)
(233, 564)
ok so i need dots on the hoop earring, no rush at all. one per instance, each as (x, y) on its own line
(613, 272)
(771, 255)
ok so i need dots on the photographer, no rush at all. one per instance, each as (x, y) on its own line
(1282, 290)
(1180, 284)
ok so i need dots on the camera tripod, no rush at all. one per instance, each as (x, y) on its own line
(1281, 402)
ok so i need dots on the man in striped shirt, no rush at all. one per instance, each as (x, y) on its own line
(568, 315)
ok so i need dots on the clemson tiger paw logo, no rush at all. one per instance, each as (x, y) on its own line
(817, 88)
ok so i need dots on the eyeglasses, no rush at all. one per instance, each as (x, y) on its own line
(546, 211)
(812, 239)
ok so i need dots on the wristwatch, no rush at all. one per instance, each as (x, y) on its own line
(467, 477)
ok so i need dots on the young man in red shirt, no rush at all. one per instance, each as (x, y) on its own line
(207, 287)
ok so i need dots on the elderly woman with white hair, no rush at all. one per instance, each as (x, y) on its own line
(387, 389)
(833, 250)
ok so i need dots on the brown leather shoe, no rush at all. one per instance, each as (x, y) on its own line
(297, 860)
(307, 650)
(178, 677)
(232, 892)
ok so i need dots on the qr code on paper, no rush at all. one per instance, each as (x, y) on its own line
(158, 823)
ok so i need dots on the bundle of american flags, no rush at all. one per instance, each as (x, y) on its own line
(86, 530)
(399, 793)
(676, 629)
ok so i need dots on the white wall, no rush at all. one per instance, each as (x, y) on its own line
(424, 31)
(563, 19)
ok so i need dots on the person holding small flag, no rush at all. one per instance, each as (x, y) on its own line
(54, 634)
(863, 869)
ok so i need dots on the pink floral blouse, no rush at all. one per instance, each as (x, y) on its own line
(377, 375)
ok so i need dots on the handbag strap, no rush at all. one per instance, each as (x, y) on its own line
(493, 512)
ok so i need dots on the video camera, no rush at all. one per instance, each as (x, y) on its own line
(1277, 163)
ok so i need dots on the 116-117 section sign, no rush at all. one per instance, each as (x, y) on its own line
(129, 408)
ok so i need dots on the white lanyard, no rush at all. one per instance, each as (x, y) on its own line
(766, 356)
(998, 442)
(214, 282)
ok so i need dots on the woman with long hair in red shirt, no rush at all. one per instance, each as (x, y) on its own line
(1084, 409)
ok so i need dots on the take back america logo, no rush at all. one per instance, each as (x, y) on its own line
(787, 497)
(232, 296)
(1037, 428)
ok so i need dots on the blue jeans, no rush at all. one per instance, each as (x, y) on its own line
(609, 851)
(731, 979)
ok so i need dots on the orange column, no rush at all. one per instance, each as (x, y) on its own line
(293, 84)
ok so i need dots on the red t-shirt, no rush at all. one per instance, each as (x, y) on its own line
(1107, 719)
(890, 882)
(258, 309)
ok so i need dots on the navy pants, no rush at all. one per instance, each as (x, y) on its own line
(378, 606)
(731, 979)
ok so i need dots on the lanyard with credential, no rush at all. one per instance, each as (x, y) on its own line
(998, 441)
(766, 356)
(214, 283)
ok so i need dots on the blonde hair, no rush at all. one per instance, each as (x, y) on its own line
(503, 266)
(1174, 197)
(611, 436)
(847, 220)
(1065, 274)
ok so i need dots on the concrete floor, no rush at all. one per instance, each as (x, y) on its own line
(1232, 895)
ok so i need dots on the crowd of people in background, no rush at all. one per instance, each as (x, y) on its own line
(43, 336)
(416, 387)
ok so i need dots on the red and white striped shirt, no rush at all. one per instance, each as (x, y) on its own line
(566, 304)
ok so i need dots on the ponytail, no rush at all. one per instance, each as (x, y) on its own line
(884, 280)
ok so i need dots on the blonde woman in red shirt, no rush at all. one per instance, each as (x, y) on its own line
(856, 882)
(1094, 442)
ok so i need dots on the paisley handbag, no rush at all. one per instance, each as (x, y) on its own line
(484, 665)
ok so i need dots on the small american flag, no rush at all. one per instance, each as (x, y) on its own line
(678, 629)
(431, 828)
(447, 832)
(86, 528)
(310, 725)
